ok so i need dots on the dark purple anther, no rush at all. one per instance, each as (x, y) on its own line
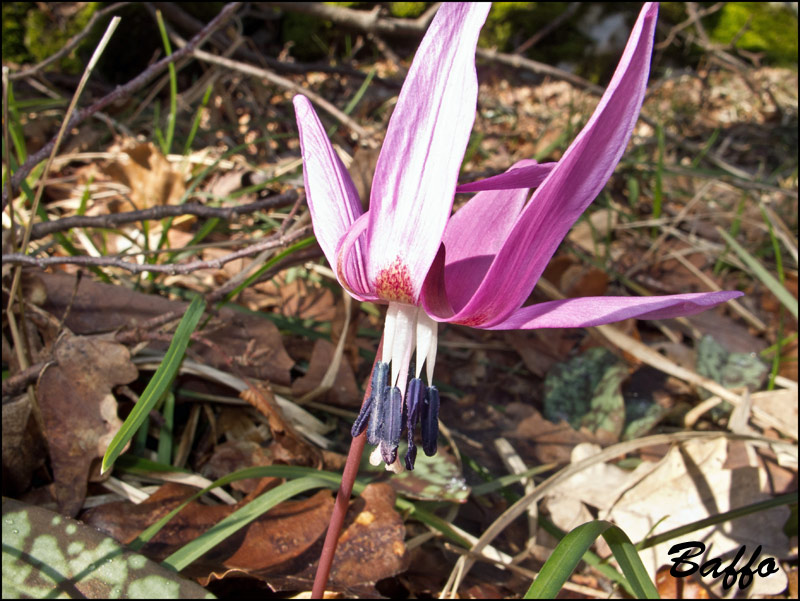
(379, 396)
(430, 421)
(414, 399)
(363, 416)
(392, 425)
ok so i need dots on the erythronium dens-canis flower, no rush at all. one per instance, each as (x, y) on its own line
(478, 266)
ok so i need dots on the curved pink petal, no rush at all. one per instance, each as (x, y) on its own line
(415, 177)
(598, 310)
(476, 233)
(530, 175)
(568, 190)
(349, 264)
(331, 195)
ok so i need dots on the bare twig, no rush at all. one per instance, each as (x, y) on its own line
(296, 258)
(699, 14)
(119, 93)
(178, 16)
(287, 84)
(40, 230)
(361, 19)
(520, 62)
(17, 383)
(387, 51)
(548, 29)
(183, 268)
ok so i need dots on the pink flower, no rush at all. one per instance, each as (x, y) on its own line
(476, 267)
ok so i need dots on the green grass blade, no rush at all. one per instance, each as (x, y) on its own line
(628, 559)
(254, 276)
(565, 557)
(238, 519)
(782, 294)
(140, 466)
(173, 87)
(164, 452)
(159, 383)
(681, 531)
(196, 122)
(355, 99)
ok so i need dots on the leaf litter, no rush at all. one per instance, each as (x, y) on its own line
(495, 384)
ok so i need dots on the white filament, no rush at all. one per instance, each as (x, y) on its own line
(403, 343)
(407, 328)
(427, 341)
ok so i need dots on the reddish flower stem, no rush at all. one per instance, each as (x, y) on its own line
(342, 500)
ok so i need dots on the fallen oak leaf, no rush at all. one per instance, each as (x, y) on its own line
(79, 412)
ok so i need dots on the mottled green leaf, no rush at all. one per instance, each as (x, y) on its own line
(46, 555)
(732, 370)
(436, 478)
(585, 391)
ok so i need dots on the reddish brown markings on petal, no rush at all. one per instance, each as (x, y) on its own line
(474, 321)
(394, 283)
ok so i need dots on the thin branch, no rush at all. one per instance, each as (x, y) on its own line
(182, 268)
(191, 25)
(548, 29)
(361, 19)
(119, 93)
(40, 230)
(289, 85)
(298, 257)
(17, 383)
(514, 60)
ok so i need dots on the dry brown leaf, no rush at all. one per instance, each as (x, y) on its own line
(254, 344)
(24, 449)
(553, 443)
(594, 228)
(152, 180)
(79, 411)
(780, 404)
(288, 446)
(234, 455)
(690, 484)
(344, 391)
(281, 547)
(670, 587)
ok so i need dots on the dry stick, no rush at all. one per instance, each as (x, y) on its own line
(179, 17)
(279, 81)
(342, 500)
(690, 21)
(183, 268)
(119, 93)
(18, 382)
(287, 84)
(361, 19)
(676, 221)
(712, 285)
(296, 258)
(548, 29)
(40, 230)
